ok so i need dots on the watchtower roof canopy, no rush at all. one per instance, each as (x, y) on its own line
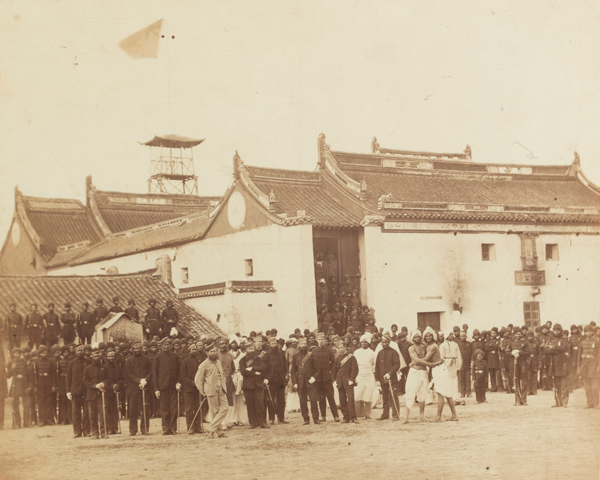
(173, 141)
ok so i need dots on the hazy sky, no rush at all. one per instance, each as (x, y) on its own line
(518, 81)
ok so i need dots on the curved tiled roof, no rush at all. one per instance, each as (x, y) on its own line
(59, 222)
(24, 291)
(484, 190)
(175, 232)
(303, 191)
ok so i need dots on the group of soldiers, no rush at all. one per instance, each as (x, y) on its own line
(230, 382)
(47, 329)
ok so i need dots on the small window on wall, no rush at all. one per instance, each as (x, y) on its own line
(488, 252)
(531, 314)
(185, 276)
(551, 251)
(249, 267)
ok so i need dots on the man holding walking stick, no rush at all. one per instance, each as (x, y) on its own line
(387, 365)
(138, 373)
(518, 351)
(94, 379)
(165, 377)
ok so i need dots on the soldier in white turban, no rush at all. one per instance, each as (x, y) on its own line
(365, 381)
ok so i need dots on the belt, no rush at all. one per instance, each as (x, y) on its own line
(588, 356)
(20, 376)
(63, 374)
(43, 374)
(493, 351)
(85, 323)
(575, 348)
(478, 371)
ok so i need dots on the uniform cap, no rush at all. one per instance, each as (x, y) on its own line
(99, 300)
(495, 329)
(51, 305)
(85, 304)
(67, 305)
(115, 298)
(557, 327)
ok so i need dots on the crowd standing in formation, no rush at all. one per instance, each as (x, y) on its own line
(257, 379)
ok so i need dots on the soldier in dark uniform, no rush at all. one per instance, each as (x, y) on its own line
(505, 361)
(68, 321)
(44, 380)
(546, 377)
(346, 373)
(464, 373)
(116, 307)
(100, 312)
(517, 353)
(20, 388)
(85, 324)
(65, 408)
(252, 368)
(533, 365)
(557, 349)
(166, 381)
(326, 318)
(387, 365)
(480, 376)
(189, 367)
(14, 327)
(320, 370)
(76, 392)
(276, 380)
(338, 322)
(34, 325)
(169, 319)
(51, 326)
(574, 341)
(152, 320)
(138, 374)
(588, 366)
(114, 384)
(492, 349)
(300, 381)
(132, 311)
(94, 378)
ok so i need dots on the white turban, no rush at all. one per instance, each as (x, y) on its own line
(234, 339)
(417, 332)
(431, 331)
(365, 338)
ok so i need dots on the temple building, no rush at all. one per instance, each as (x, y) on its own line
(422, 238)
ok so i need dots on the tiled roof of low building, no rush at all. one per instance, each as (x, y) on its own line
(59, 222)
(173, 232)
(24, 291)
(126, 211)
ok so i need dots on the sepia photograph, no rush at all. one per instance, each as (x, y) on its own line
(319, 239)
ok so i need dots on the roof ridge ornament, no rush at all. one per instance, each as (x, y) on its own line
(468, 152)
(372, 221)
(575, 167)
(363, 190)
(238, 165)
(382, 200)
(272, 201)
(375, 147)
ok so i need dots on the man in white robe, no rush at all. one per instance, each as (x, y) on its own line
(365, 381)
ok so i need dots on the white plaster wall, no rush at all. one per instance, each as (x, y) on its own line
(281, 254)
(403, 268)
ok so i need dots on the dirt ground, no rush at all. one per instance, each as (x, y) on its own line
(493, 440)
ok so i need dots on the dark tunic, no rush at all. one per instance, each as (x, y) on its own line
(52, 326)
(85, 324)
(558, 349)
(75, 369)
(492, 348)
(165, 371)
(100, 313)
(189, 367)
(388, 361)
(68, 321)
(136, 368)
(93, 374)
(321, 364)
(34, 324)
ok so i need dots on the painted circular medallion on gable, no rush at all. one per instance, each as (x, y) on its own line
(236, 210)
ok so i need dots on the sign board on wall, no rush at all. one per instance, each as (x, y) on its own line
(535, 278)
